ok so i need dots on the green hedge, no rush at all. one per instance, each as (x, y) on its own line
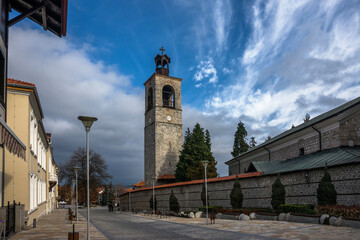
(211, 209)
(297, 208)
(339, 211)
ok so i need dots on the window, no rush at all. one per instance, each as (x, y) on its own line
(150, 98)
(301, 151)
(168, 96)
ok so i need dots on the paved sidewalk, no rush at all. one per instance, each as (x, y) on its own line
(272, 229)
(56, 226)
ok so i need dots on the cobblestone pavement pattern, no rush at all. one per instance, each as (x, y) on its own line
(56, 226)
(117, 225)
(274, 229)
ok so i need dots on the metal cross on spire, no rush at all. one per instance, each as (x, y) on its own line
(162, 50)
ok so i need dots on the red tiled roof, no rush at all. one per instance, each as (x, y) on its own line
(14, 81)
(166, 176)
(219, 179)
(139, 184)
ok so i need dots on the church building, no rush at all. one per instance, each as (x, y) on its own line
(163, 132)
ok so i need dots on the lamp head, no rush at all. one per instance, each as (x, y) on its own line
(87, 121)
(205, 163)
(76, 169)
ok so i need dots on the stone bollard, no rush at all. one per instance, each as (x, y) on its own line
(34, 223)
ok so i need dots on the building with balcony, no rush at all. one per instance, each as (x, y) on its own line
(30, 181)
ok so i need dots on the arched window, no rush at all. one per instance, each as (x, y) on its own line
(150, 99)
(168, 96)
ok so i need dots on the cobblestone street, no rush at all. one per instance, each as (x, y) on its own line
(124, 225)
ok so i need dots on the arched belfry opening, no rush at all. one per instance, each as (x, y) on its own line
(168, 96)
(162, 63)
(150, 99)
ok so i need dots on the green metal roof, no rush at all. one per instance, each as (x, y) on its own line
(304, 125)
(331, 157)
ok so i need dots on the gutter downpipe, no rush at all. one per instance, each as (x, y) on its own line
(320, 144)
(268, 151)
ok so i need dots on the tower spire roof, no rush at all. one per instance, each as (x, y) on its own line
(162, 63)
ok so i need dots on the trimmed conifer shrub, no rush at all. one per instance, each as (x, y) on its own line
(203, 197)
(151, 203)
(278, 194)
(173, 202)
(326, 193)
(236, 195)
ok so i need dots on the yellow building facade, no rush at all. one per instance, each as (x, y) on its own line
(31, 181)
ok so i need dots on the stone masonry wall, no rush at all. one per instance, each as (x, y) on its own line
(257, 191)
(311, 144)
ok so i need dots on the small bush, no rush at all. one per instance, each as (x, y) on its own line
(326, 193)
(297, 208)
(151, 203)
(278, 194)
(173, 202)
(236, 195)
(339, 211)
(211, 209)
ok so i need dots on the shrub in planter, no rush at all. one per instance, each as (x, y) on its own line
(151, 203)
(297, 208)
(173, 202)
(236, 195)
(339, 211)
(326, 193)
(278, 194)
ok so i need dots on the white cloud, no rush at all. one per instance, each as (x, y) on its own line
(70, 84)
(301, 57)
(206, 71)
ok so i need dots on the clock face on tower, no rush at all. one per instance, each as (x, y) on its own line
(169, 118)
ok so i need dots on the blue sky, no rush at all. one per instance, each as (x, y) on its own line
(266, 63)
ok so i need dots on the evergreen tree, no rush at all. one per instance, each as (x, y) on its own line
(104, 196)
(326, 193)
(196, 148)
(173, 203)
(236, 195)
(151, 203)
(252, 142)
(240, 145)
(278, 194)
(208, 139)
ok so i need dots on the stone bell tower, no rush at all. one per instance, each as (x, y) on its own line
(163, 123)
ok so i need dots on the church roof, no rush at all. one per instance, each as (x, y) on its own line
(330, 157)
(139, 184)
(302, 126)
(166, 177)
(200, 181)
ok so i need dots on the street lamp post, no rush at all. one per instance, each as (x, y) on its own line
(153, 195)
(76, 170)
(87, 122)
(72, 194)
(205, 163)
